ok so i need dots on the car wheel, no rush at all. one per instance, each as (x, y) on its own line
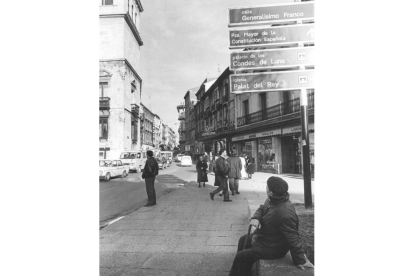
(124, 174)
(107, 176)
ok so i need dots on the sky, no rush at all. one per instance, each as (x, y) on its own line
(185, 41)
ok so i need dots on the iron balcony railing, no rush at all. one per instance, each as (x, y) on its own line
(275, 111)
(104, 103)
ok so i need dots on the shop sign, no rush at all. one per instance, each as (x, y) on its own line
(258, 135)
(271, 81)
(303, 33)
(270, 13)
(296, 129)
(273, 58)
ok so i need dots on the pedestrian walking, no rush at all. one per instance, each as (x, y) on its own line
(243, 170)
(235, 167)
(149, 173)
(211, 165)
(251, 169)
(276, 233)
(202, 171)
(222, 172)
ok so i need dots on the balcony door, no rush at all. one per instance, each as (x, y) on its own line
(246, 111)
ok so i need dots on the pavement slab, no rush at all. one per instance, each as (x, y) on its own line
(184, 234)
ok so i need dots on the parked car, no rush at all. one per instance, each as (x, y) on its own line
(162, 162)
(168, 155)
(134, 159)
(186, 161)
(112, 168)
(178, 158)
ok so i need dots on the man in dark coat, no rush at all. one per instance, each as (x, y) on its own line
(221, 171)
(235, 167)
(149, 173)
(276, 233)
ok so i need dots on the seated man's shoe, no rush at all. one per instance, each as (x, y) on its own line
(149, 204)
(232, 193)
(237, 192)
(227, 200)
(212, 196)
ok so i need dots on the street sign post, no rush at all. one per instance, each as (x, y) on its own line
(270, 14)
(273, 58)
(271, 81)
(259, 37)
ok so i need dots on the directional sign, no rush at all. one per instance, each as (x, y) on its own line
(303, 33)
(271, 81)
(270, 14)
(273, 58)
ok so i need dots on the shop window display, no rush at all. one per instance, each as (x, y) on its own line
(266, 155)
(246, 148)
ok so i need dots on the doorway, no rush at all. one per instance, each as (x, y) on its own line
(291, 155)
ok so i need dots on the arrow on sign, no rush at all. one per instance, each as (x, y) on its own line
(311, 32)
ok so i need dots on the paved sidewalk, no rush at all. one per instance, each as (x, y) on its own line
(186, 233)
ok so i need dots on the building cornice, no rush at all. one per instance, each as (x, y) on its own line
(127, 63)
(128, 20)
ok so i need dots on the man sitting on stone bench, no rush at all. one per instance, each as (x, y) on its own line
(276, 233)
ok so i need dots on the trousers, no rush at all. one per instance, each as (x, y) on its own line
(149, 185)
(234, 184)
(245, 258)
(223, 186)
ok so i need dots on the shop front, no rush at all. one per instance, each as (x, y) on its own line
(291, 140)
(260, 147)
(276, 151)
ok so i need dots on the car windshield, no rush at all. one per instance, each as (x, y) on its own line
(105, 163)
(186, 158)
(128, 155)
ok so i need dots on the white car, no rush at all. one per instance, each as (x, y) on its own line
(178, 157)
(186, 161)
(112, 168)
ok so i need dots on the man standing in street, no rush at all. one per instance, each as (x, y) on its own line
(150, 171)
(235, 166)
(276, 233)
(221, 172)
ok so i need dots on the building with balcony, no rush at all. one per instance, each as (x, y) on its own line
(214, 114)
(119, 80)
(190, 100)
(147, 128)
(181, 127)
(266, 126)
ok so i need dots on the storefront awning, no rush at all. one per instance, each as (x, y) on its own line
(266, 133)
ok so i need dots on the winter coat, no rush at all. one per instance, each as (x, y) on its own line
(278, 232)
(235, 167)
(221, 167)
(150, 168)
(202, 171)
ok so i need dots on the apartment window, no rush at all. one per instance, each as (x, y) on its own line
(103, 128)
(107, 2)
(102, 87)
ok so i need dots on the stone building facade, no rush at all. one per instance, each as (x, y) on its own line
(120, 85)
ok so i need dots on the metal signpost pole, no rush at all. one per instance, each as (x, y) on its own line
(305, 148)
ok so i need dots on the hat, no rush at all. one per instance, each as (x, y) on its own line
(277, 185)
